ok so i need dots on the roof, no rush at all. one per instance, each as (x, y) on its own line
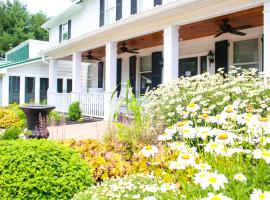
(23, 44)
(12, 64)
(64, 14)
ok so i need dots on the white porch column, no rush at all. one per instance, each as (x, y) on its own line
(52, 81)
(5, 90)
(22, 89)
(110, 79)
(53, 76)
(76, 75)
(37, 90)
(170, 53)
(266, 39)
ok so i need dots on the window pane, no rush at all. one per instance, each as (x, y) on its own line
(29, 89)
(146, 63)
(44, 85)
(60, 85)
(14, 89)
(188, 67)
(203, 64)
(246, 51)
(65, 31)
(146, 82)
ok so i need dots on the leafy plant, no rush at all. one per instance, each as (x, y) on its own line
(41, 169)
(74, 111)
(132, 126)
(107, 159)
(11, 133)
(55, 117)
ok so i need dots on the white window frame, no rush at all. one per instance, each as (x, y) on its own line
(63, 32)
(231, 53)
(108, 9)
(140, 5)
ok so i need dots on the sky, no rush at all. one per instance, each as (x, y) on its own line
(50, 7)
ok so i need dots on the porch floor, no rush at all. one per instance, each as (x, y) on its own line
(92, 130)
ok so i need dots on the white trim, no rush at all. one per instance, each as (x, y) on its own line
(151, 21)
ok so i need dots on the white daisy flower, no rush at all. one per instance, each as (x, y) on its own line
(148, 151)
(262, 154)
(192, 107)
(224, 137)
(215, 180)
(186, 159)
(165, 137)
(166, 186)
(204, 132)
(240, 177)
(188, 133)
(219, 196)
(178, 146)
(259, 195)
(203, 166)
(137, 196)
(212, 147)
(229, 112)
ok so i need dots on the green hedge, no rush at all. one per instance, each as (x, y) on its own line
(41, 169)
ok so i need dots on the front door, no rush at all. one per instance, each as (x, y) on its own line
(188, 67)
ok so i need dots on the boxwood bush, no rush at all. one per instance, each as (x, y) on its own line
(41, 169)
(74, 111)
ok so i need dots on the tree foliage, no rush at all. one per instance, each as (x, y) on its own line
(18, 25)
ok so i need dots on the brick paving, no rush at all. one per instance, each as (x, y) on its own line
(92, 130)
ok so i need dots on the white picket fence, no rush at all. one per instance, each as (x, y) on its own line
(92, 104)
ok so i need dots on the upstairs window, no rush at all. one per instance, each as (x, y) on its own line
(246, 54)
(65, 31)
(110, 11)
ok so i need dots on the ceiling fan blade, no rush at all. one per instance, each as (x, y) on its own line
(233, 31)
(242, 27)
(130, 51)
(218, 34)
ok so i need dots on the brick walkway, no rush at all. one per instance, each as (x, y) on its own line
(92, 130)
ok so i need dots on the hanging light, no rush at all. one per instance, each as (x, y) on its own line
(210, 56)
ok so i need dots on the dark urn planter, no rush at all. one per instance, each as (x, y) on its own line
(37, 120)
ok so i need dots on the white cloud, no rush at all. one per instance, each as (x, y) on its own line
(50, 7)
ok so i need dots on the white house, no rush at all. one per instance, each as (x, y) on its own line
(24, 76)
(151, 42)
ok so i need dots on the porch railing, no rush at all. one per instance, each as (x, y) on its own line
(92, 104)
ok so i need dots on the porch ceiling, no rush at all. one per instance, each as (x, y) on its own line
(252, 17)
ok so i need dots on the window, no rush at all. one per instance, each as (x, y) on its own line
(146, 73)
(245, 53)
(188, 67)
(203, 63)
(14, 89)
(69, 85)
(65, 32)
(29, 89)
(110, 11)
(44, 85)
(60, 85)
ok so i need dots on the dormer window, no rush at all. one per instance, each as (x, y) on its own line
(110, 11)
(65, 31)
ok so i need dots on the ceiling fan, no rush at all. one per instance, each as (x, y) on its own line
(124, 49)
(225, 27)
(89, 56)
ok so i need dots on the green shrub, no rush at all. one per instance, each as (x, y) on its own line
(11, 133)
(54, 117)
(41, 169)
(74, 111)
(12, 116)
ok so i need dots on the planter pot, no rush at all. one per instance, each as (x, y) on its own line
(37, 118)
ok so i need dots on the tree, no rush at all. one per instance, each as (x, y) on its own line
(18, 25)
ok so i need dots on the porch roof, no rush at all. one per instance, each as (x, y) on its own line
(153, 22)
